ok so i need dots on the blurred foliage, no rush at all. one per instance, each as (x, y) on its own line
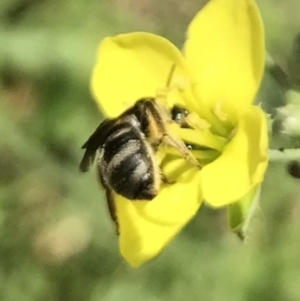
(57, 241)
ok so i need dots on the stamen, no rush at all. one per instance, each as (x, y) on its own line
(231, 135)
(219, 112)
(196, 122)
(202, 138)
(200, 134)
(199, 154)
(205, 110)
(199, 109)
(206, 155)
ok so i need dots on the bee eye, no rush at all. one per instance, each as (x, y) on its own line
(185, 113)
(176, 114)
(179, 114)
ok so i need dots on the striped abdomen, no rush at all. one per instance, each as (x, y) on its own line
(127, 165)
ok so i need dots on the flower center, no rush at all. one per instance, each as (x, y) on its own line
(208, 131)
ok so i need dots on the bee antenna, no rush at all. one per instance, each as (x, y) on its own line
(171, 73)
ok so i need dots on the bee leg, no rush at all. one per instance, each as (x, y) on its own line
(165, 180)
(181, 147)
(155, 145)
(112, 209)
(110, 202)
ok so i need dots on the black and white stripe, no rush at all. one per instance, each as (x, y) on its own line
(125, 163)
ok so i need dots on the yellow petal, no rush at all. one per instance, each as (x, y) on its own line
(225, 48)
(242, 164)
(130, 67)
(147, 226)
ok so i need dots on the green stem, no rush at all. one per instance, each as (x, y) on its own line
(285, 155)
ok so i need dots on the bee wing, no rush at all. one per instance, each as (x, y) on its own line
(87, 160)
(94, 142)
(110, 200)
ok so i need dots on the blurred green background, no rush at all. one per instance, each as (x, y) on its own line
(57, 242)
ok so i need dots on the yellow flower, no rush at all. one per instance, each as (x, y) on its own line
(216, 78)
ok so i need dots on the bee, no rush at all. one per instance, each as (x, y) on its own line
(127, 144)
